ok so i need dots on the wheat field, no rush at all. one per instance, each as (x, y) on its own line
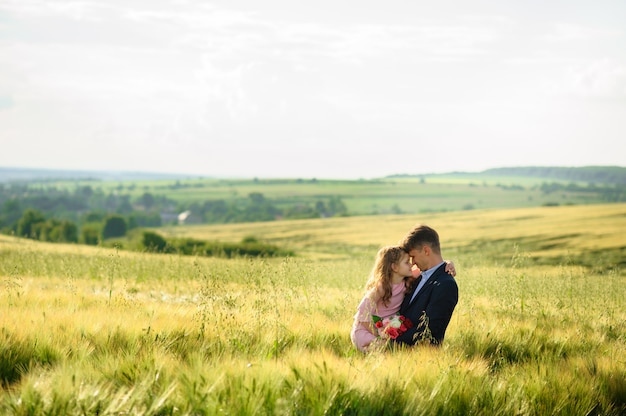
(539, 328)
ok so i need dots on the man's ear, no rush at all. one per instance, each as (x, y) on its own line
(427, 250)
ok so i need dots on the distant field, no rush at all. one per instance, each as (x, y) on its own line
(540, 327)
(430, 193)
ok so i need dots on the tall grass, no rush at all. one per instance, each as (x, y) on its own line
(97, 331)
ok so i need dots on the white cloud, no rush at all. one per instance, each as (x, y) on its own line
(568, 32)
(599, 79)
(75, 10)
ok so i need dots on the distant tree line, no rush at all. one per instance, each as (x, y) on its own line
(249, 246)
(593, 175)
(609, 193)
(596, 175)
(89, 216)
(615, 193)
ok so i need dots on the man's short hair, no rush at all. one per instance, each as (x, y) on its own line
(419, 236)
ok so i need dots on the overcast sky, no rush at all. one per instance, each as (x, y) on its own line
(326, 89)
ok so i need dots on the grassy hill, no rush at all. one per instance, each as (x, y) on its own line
(576, 235)
(539, 328)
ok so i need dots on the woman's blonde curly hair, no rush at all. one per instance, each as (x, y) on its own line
(380, 277)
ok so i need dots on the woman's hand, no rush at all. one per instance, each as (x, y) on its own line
(450, 268)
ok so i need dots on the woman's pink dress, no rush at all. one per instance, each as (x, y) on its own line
(361, 337)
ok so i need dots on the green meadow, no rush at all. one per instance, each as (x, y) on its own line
(540, 327)
(392, 195)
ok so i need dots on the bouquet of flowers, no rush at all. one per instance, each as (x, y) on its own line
(391, 327)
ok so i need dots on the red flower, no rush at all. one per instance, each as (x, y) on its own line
(393, 332)
(379, 324)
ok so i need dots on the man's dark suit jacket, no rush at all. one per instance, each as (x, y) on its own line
(431, 310)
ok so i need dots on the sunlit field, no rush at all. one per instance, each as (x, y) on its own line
(540, 327)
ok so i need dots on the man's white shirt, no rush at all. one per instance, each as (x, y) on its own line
(425, 276)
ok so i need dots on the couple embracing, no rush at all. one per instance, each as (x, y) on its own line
(410, 295)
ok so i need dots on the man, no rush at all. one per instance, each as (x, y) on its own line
(430, 304)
